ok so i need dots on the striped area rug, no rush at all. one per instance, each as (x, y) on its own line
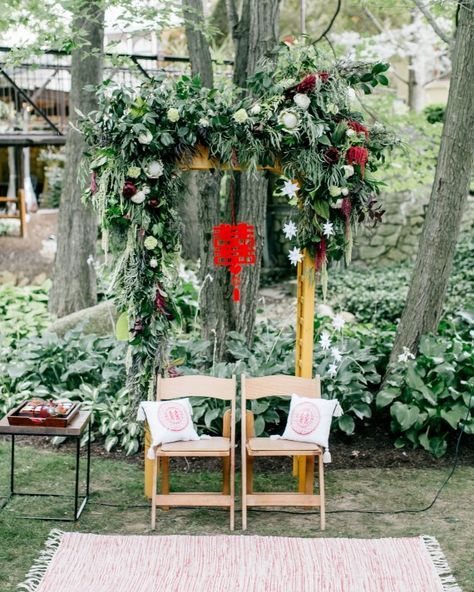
(75, 562)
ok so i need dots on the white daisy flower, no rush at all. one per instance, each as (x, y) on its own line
(332, 370)
(338, 322)
(328, 229)
(295, 256)
(325, 340)
(289, 230)
(290, 188)
(336, 354)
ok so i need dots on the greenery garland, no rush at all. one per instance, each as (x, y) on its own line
(297, 117)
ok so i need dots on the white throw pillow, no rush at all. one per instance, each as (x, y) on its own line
(169, 421)
(309, 420)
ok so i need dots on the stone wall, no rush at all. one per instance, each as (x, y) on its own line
(395, 239)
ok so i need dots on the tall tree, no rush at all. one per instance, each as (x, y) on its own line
(448, 196)
(255, 35)
(214, 298)
(74, 281)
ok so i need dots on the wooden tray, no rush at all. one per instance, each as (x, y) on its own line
(14, 418)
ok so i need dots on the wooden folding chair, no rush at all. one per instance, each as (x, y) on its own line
(278, 386)
(224, 447)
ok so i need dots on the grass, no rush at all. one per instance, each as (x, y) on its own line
(120, 482)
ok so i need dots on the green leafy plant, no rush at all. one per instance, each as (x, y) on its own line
(432, 395)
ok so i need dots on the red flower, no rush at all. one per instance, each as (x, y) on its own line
(129, 189)
(153, 203)
(160, 304)
(358, 155)
(307, 84)
(358, 127)
(324, 76)
(331, 156)
(93, 182)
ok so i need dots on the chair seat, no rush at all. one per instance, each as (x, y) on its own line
(210, 447)
(280, 447)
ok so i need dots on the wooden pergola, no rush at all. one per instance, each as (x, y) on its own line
(304, 312)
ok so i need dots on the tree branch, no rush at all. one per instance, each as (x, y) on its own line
(432, 21)
(331, 23)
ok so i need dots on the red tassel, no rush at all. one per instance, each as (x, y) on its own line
(320, 254)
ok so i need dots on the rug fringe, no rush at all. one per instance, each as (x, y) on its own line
(440, 562)
(36, 573)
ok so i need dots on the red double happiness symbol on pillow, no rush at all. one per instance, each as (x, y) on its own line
(305, 418)
(173, 416)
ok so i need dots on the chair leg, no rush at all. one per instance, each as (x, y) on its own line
(321, 491)
(153, 495)
(226, 475)
(244, 485)
(165, 478)
(249, 480)
(231, 474)
(309, 487)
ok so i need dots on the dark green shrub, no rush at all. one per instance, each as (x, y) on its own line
(434, 113)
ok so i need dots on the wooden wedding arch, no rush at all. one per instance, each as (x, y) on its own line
(304, 312)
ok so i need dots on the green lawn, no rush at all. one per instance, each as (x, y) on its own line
(120, 482)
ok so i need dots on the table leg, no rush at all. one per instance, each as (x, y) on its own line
(88, 474)
(12, 467)
(76, 491)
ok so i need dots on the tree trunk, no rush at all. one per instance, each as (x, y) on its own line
(214, 297)
(255, 36)
(448, 196)
(74, 280)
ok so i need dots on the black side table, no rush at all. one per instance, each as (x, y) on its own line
(74, 430)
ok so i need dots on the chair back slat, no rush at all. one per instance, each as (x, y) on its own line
(281, 386)
(196, 386)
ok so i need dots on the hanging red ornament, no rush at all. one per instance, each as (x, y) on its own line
(234, 246)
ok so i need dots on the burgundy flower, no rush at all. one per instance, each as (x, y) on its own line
(160, 304)
(346, 207)
(320, 256)
(323, 76)
(137, 327)
(173, 372)
(153, 203)
(358, 127)
(331, 156)
(93, 182)
(129, 189)
(307, 84)
(358, 155)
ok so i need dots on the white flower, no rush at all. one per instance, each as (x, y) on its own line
(328, 229)
(289, 230)
(153, 263)
(338, 322)
(350, 132)
(334, 191)
(406, 355)
(295, 256)
(240, 116)
(332, 370)
(173, 115)
(145, 137)
(351, 94)
(139, 197)
(345, 191)
(289, 120)
(204, 122)
(290, 188)
(154, 169)
(332, 108)
(325, 340)
(133, 172)
(337, 205)
(302, 101)
(348, 170)
(256, 109)
(150, 243)
(336, 354)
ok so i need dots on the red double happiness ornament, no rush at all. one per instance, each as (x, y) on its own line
(234, 246)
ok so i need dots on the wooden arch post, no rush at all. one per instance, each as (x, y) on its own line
(304, 315)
